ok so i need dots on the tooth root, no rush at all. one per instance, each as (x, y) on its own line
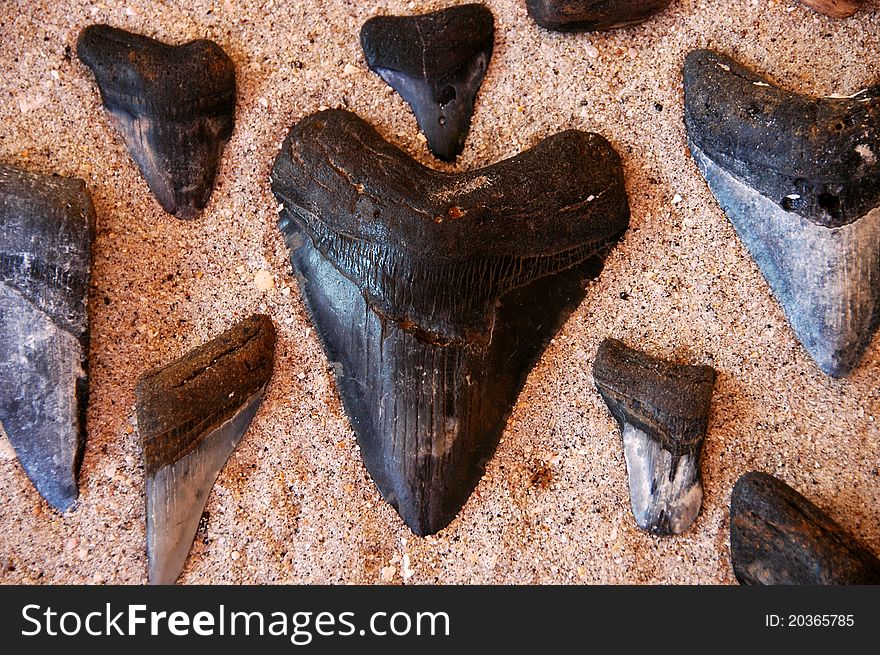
(779, 537)
(663, 410)
(799, 179)
(47, 226)
(436, 62)
(834, 8)
(174, 106)
(432, 326)
(191, 415)
(592, 15)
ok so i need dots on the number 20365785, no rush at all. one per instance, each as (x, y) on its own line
(809, 620)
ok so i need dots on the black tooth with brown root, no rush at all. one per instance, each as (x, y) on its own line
(799, 179)
(436, 62)
(191, 415)
(592, 15)
(434, 293)
(779, 537)
(174, 105)
(663, 411)
(47, 225)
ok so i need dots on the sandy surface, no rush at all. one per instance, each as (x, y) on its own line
(294, 503)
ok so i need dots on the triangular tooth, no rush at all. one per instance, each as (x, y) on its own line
(191, 415)
(436, 62)
(174, 105)
(433, 294)
(663, 410)
(779, 537)
(799, 179)
(592, 15)
(834, 8)
(47, 224)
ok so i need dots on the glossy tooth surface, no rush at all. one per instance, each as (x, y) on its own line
(436, 62)
(779, 537)
(799, 179)
(434, 293)
(592, 15)
(174, 106)
(191, 415)
(47, 225)
(663, 411)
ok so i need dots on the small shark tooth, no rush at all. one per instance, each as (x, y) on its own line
(663, 410)
(779, 537)
(47, 224)
(799, 178)
(434, 293)
(592, 15)
(436, 62)
(834, 8)
(174, 105)
(191, 415)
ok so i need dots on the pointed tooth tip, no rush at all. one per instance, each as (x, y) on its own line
(185, 211)
(420, 524)
(414, 53)
(377, 376)
(836, 353)
(161, 576)
(62, 502)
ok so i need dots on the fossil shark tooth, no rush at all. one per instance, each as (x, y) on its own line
(663, 410)
(779, 537)
(174, 105)
(191, 415)
(834, 8)
(436, 62)
(592, 15)
(799, 178)
(434, 293)
(47, 224)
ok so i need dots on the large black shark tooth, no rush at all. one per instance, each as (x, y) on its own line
(436, 62)
(663, 410)
(799, 178)
(174, 105)
(191, 415)
(779, 537)
(592, 15)
(434, 293)
(47, 224)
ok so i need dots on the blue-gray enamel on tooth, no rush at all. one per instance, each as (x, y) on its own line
(177, 494)
(46, 231)
(825, 279)
(662, 409)
(665, 490)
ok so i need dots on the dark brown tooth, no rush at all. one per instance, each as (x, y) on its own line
(799, 179)
(779, 537)
(436, 62)
(47, 225)
(834, 8)
(663, 410)
(592, 15)
(191, 415)
(174, 105)
(434, 293)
